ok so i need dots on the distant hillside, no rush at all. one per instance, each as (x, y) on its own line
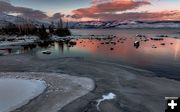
(6, 19)
(127, 24)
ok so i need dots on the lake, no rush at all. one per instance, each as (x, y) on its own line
(159, 56)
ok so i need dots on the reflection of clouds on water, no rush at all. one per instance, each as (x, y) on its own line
(150, 53)
(126, 50)
(177, 49)
(119, 48)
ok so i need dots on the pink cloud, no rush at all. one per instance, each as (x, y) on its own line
(110, 7)
(107, 10)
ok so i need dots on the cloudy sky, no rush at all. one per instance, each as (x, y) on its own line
(94, 9)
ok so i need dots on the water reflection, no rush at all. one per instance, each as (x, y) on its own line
(128, 48)
(161, 56)
(166, 48)
(155, 54)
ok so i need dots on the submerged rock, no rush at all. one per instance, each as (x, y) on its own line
(136, 44)
(46, 52)
(162, 35)
(153, 46)
(72, 43)
(157, 38)
(139, 35)
(111, 49)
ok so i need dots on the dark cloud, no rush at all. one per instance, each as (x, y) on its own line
(25, 12)
(57, 16)
(77, 16)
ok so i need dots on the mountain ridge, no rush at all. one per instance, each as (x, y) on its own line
(6, 19)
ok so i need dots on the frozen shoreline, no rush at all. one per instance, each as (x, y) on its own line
(61, 90)
(14, 40)
(133, 87)
(17, 92)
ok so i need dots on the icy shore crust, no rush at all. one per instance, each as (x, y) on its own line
(16, 92)
(23, 87)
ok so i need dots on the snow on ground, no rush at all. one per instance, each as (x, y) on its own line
(16, 92)
(109, 96)
(23, 40)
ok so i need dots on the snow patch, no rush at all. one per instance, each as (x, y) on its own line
(109, 96)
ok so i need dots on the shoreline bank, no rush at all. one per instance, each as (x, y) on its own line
(130, 85)
(61, 90)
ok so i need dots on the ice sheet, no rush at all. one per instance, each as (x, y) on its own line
(16, 92)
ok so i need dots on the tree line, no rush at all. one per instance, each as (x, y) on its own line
(44, 32)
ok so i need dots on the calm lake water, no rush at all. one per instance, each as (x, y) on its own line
(162, 56)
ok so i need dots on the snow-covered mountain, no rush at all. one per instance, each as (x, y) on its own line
(127, 24)
(6, 19)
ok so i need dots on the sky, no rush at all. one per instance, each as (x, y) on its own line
(83, 10)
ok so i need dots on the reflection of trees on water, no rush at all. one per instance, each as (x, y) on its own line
(44, 44)
(62, 46)
(9, 51)
(59, 47)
